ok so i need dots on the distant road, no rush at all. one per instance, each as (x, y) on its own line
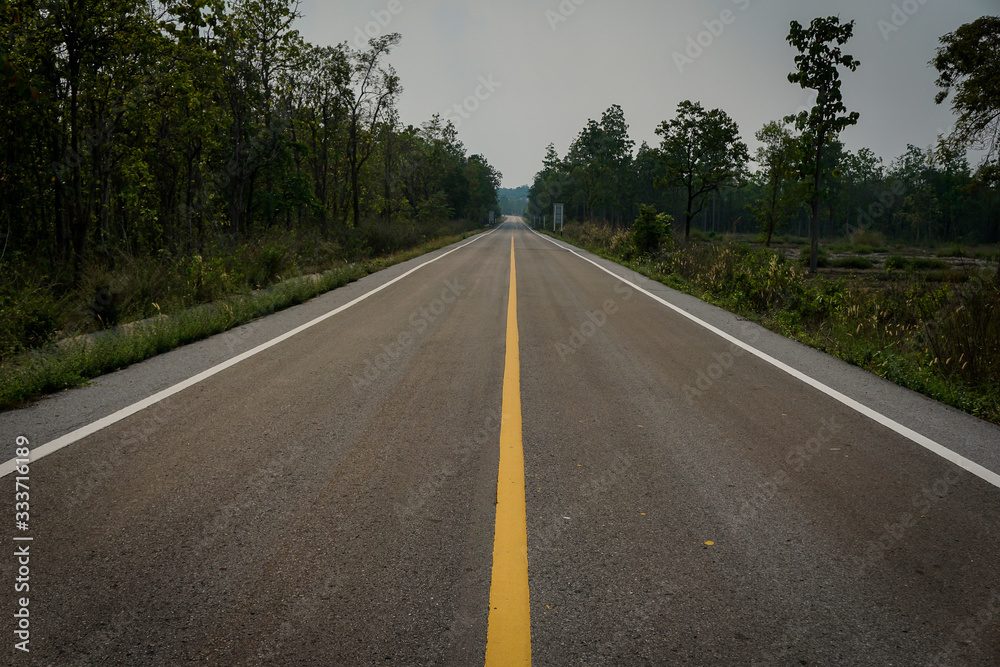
(332, 499)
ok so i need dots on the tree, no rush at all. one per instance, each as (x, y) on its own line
(260, 48)
(917, 207)
(864, 180)
(137, 129)
(484, 182)
(601, 159)
(920, 210)
(372, 99)
(702, 152)
(968, 63)
(817, 68)
(780, 194)
(321, 114)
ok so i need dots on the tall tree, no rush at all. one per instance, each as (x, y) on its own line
(702, 152)
(817, 68)
(968, 63)
(777, 157)
(371, 100)
(322, 111)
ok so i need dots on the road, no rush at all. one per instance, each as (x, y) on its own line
(332, 499)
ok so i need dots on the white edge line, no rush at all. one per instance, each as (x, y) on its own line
(42, 451)
(968, 465)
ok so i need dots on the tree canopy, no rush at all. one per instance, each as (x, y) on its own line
(701, 152)
(968, 65)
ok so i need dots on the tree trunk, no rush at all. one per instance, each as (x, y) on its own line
(688, 216)
(814, 204)
(78, 222)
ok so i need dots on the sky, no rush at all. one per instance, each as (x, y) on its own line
(516, 75)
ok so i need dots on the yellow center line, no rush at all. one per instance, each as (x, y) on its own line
(508, 639)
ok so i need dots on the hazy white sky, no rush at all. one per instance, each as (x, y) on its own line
(525, 73)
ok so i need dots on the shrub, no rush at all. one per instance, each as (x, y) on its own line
(965, 335)
(651, 230)
(929, 264)
(821, 261)
(28, 319)
(860, 263)
(868, 237)
(266, 264)
(897, 263)
(954, 251)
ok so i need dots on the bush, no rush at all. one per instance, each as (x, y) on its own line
(821, 261)
(868, 237)
(651, 230)
(27, 319)
(897, 263)
(266, 264)
(929, 264)
(954, 251)
(965, 335)
(860, 263)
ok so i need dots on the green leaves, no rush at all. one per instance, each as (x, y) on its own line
(817, 69)
(600, 159)
(968, 65)
(701, 152)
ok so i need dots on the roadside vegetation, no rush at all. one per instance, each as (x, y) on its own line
(159, 157)
(894, 268)
(150, 308)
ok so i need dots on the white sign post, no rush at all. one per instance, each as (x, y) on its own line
(492, 217)
(557, 217)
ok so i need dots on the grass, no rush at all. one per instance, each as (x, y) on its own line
(928, 328)
(33, 373)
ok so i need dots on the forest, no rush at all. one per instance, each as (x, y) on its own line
(921, 197)
(802, 179)
(156, 155)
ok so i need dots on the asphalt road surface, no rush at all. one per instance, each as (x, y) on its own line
(332, 499)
